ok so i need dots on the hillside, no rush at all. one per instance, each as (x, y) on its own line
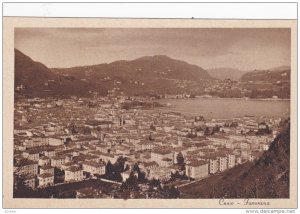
(38, 80)
(29, 72)
(268, 177)
(268, 83)
(280, 68)
(226, 73)
(149, 74)
(282, 74)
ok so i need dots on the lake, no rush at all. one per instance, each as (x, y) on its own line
(225, 108)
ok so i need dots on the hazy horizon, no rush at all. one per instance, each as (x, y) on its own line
(239, 48)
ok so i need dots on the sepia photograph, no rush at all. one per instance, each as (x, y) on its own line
(153, 113)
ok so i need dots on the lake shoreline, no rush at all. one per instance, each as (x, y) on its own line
(227, 108)
(226, 98)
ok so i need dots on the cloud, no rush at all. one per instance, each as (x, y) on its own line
(205, 47)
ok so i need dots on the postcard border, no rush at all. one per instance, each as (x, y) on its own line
(9, 23)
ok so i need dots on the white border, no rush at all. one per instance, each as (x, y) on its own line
(281, 11)
(155, 10)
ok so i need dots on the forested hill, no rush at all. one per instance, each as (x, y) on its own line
(38, 80)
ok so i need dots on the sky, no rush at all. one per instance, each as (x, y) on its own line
(241, 48)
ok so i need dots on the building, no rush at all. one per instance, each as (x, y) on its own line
(161, 173)
(81, 158)
(122, 149)
(93, 167)
(66, 165)
(35, 142)
(30, 181)
(223, 164)
(103, 148)
(255, 155)
(108, 157)
(93, 124)
(44, 161)
(49, 153)
(230, 160)
(197, 169)
(178, 150)
(25, 167)
(47, 169)
(57, 161)
(213, 166)
(31, 155)
(244, 154)
(238, 160)
(244, 145)
(166, 162)
(46, 179)
(144, 146)
(263, 147)
(74, 173)
(147, 166)
(220, 140)
(159, 156)
(55, 141)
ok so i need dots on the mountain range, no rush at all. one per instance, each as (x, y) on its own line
(148, 75)
(38, 80)
(236, 74)
(226, 73)
(268, 83)
(145, 75)
(282, 74)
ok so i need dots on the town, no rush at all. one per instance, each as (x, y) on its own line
(145, 151)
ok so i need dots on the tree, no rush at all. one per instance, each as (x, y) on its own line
(180, 159)
(173, 177)
(68, 140)
(126, 168)
(207, 131)
(87, 131)
(155, 183)
(112, 171)
(131, 183)
(73, 129)
(234, 124)
(19, 182)
(87, 174)
(216, 129)
(109, 169)
(152, 127)
(136, 168)
(120, 164)
(20, 187)
(173, 192)
(117, 176)
(58, 175)
(142, 177)
(151, 137)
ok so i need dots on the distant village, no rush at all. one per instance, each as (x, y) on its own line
(59, 142)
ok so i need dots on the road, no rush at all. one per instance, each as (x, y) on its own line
(182, 185)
